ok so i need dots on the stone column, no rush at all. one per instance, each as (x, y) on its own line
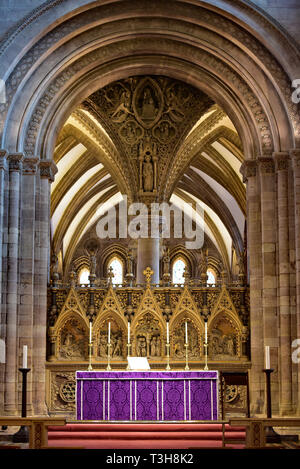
(269, 280)
(285, 396)
(27, 247)
(3, 167)
(12, 299)
(295, 155)
(42, 260)
(148, 251)
(254, 247)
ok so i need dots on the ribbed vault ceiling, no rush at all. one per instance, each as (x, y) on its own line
(94, 168)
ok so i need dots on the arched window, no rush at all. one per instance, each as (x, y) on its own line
(178, 271)
(117, 269)
(211, 277)
(83, 276)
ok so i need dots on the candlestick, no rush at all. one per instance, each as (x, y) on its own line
(24, 356)
(90, 356)
(90, 332)
(128, 339)
(109, 332)
(22, 435)
(108, 357)
(205, 324)
(186, 333)
(186, 357)
(168, 338)
(168, 357)
(128, 355)
(267, 357)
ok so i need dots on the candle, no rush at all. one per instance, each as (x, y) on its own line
(186, 333)
(24, 356)
(168, 338)
(90, 332)
(128, 332)
(267, 356)
(109, 332)
(205, 332)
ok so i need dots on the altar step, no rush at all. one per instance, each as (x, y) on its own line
(145, 436)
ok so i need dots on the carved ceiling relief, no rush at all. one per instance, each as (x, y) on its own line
(149, 117)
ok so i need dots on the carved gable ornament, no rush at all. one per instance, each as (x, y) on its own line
(186, 305)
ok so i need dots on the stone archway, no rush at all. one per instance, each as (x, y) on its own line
(84, 49)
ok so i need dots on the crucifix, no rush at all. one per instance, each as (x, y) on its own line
(148, 272)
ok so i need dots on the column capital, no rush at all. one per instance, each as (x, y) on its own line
(295, 157)
(48, 169)
(3, 157)
(266, 165)
(30, 165)
(248, 169)
(282, 160)
(15, 161)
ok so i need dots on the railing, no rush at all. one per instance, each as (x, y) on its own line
(256, 428)
(38, 431)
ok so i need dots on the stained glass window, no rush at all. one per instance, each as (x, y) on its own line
(83, 277)
(117, 268)
(178, 271)
(211, 278)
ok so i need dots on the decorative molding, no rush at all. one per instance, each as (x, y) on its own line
(30, 165)
(48, 169)
(15, 161)
(248, 169)
(282, 161)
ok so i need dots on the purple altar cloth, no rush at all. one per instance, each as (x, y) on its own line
(147, 395)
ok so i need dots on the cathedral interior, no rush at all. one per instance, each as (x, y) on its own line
(190, 106)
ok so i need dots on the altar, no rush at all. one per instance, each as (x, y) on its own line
(147, 395)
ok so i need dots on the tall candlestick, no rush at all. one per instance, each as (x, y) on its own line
(267, 356)
(186, 333)
(24, 356)
(109, 332)
(90, 332)
(128, 341)
(205, 332)
(168, 338)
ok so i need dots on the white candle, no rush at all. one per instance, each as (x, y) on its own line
(186, 333)
(267, 353)
(205, 332)
(128, 332)
(109, 332)
(168, 338)
(90, 332)
(24, 356)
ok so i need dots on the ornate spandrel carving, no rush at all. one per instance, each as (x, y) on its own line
(147, 117)
(148, 102)
(73, 341)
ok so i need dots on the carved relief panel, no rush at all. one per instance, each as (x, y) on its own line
(73, 341)
(178, 340)
(147, 337)
(117, 339)
(224, 339)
